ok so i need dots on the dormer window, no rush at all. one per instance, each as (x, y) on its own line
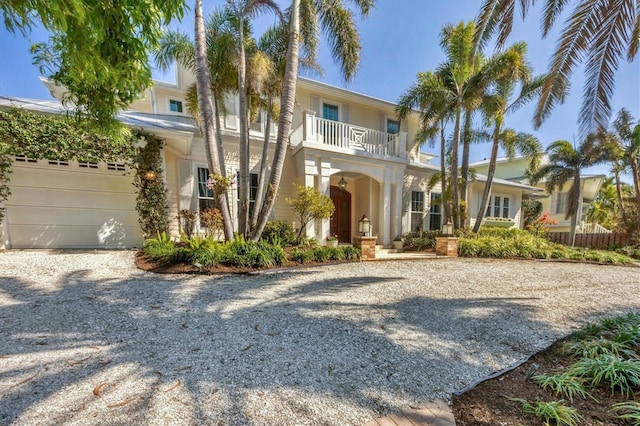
(175, 106)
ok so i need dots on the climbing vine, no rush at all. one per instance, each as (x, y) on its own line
(151, 202)
(65, 137)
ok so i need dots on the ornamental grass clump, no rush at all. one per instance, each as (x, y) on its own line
(628, 411)
(554, 411)
(565, 384)
(619, 374)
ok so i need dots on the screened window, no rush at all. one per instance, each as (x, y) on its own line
(435, 212)
(393, 126)
(330, 112)
(206, 199)
(175, 106)
(253, 190)
(417, 210)
(498, 206)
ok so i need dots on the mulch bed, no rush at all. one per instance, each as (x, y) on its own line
(489, 404)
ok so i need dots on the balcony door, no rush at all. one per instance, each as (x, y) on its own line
(340, 224)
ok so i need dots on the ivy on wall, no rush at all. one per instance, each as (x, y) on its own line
(151, 202)
(60, 137)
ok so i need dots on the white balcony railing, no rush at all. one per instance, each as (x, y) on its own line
(344, 136)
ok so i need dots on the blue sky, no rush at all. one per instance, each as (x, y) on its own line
(399, 39)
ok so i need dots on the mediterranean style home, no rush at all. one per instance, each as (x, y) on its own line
(556, 202)
(348, 145)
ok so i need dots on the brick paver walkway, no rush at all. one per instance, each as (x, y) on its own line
(436, 413)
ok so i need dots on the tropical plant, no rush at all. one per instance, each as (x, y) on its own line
(497, 104)
(629, 411)
(555, 411)
(281, 230)
(531, 210)
(337, 21)
(565, 384)
(620, 374)
(541, 226)
(600, 33)
(565, 165)
(310, 205)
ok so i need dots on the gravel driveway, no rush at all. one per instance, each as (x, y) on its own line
(86, 338)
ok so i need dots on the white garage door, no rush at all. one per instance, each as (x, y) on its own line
(65, 204)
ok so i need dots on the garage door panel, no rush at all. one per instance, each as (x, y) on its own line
(109, 235)
(24, 215)
(68, 198)
(71, 179)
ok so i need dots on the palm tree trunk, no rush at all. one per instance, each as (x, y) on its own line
(262, 179)
(219, 143)
(488, 184)
(466, 146)
(455, 200)
(287, 102)
(443, 176)
(577, 210)
(243, 181)
(616, 175)
(205, 105)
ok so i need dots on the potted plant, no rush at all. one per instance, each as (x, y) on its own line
(398, 243)
(332, 241)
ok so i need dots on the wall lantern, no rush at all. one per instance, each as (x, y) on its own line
(447, 228)
(149, 175)
(364, 225)
(343, 183)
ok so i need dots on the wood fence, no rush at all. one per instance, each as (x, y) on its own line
(593, 241)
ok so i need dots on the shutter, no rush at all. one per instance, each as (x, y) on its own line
(315, 106)
(186, 200)
(382, 122)
(230, 119)
(404, 125)
(344, 116)
(554, 203)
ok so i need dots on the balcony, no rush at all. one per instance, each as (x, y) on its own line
(348, 138)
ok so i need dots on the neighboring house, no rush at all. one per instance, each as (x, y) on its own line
(348, 145)
(556, 202)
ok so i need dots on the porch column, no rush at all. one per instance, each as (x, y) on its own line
(309, 180)
(385, 212)
(397, 205)
(324, 186)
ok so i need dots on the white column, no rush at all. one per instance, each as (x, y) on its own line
(309, 128)
(4, 233)
(397, 204)
(385, 211)
(324, 186)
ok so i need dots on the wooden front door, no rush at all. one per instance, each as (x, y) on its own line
(341, 219)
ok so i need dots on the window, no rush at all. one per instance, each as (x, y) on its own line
(498, 206)
(116, 167)
(206, 199)
(435, 212)
(417, 210)
(256, 124)
(88, 165)
(330, 112)
(58, 163)
(562, 202)
(393, 126)
(253, 191)
(175, 106)
(25, 159)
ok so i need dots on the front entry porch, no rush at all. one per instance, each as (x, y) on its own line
(373, 188)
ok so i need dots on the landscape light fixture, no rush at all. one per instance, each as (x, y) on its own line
(364, 225)
(343, 183)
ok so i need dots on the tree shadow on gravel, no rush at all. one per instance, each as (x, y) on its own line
(245, 349)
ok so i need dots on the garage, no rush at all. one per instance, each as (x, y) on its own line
(66, 204)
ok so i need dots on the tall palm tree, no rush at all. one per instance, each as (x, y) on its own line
(430, 97)
(497, 105)
(598, 32)
(337, 22)
(565, 164)
(626, 146)
(244, 11)
(203, 79)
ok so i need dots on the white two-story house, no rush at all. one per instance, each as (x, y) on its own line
(348, 145)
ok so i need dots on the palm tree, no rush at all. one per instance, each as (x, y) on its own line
(599, 32)
(430, 97)
(565, 164)
(244, 11)
(337, 22)
(626, 147)
(497, 106)
(205, 104)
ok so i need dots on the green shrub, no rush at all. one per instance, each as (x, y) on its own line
(320, 254)
(203, 251)
(324, 254)
(162, 249)
(279, 231)
(556, 411)
(618, 373)
(350, 252)
(301, 256)
(565, 384)
(630, 251)
(420, 240)
(335, 253)
(629, 411)
(249, 254)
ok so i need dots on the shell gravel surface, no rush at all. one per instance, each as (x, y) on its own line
(86, 338)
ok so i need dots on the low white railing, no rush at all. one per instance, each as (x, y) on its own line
(349, 136)
(592, 228)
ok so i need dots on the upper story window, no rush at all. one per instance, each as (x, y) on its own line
(175, 106)
(330, 112)
(393, 126)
